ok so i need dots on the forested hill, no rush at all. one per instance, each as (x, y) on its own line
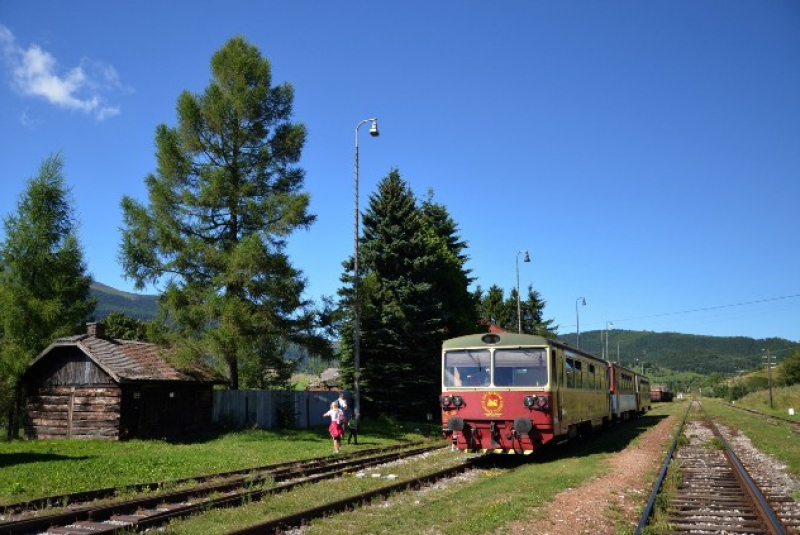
(684, 352)
(678, 352)
(141, 307)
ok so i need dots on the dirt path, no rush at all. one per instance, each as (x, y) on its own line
(610, 502)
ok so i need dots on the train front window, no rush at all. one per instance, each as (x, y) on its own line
(520, 367)
(467, 367)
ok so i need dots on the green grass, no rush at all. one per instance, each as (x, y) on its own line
(775, 438)
(38, 468)
(510, 488)
(783, 398)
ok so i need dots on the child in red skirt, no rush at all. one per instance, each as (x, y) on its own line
(336, 428)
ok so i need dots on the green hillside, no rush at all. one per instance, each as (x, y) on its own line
(661, 353)
(141, 307)
(684, 352)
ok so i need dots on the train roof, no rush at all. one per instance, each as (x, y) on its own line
(493, 339)
(509, 339)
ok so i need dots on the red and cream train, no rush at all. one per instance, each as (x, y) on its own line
(513, 393)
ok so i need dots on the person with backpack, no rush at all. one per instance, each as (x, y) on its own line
(336, 429)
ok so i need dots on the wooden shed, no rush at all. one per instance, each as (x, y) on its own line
(88, 386)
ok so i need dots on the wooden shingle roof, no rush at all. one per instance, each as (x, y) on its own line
(131, 360)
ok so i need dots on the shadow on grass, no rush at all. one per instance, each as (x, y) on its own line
(11, 459)
(611, 440)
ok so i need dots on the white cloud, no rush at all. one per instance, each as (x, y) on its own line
(35, 72)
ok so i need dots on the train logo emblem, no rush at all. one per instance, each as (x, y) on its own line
(492, 403)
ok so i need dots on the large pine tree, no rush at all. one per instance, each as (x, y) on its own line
(44, 286)
(225, 196)
(402, 320)
(451, 278)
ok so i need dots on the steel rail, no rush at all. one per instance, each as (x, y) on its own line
(756, 497)
(233, 496)
(296, 519)
(774, 525)
(648, 510)
(63, 500)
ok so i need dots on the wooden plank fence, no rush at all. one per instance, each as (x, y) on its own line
(270, 409)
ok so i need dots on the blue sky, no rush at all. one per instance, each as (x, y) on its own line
(647, 154)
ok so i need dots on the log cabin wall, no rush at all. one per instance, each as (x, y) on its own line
(69, 396)
(88, 387)
(73, 412)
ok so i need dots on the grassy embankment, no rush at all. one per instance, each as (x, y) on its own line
(770, 436)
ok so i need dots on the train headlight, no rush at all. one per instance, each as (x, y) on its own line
(541, 402)
(529, 401)
(458, 401)
(447, 401)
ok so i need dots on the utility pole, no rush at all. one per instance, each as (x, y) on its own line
(769, 375)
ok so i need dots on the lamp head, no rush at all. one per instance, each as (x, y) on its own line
(584, 301)
(373, 130)
(527, 257)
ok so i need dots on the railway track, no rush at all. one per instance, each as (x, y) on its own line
(86, 498)
(794, 424)
(218, 490)
(717, 494)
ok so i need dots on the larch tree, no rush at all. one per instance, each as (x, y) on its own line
(44, 285)
(224, 198)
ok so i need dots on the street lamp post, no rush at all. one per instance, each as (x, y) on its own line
(373, 131)
(606, 355)
(578, 319)
(519, 305)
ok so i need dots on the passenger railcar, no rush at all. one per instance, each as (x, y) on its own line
(513, 393)
(623, 393)
(642, 394)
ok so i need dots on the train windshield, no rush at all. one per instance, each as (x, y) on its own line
(520, 367)
(467, 367)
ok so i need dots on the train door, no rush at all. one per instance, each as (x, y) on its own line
(557, 365)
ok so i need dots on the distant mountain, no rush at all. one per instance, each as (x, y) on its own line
(141, 307)
(684, 352)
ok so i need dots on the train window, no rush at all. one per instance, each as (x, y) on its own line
(569, 364)
(578, 374)
(520, 367)
(590, 378)
(467, 367)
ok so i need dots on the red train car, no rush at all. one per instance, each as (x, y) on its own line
(660, 393)
(513, 393)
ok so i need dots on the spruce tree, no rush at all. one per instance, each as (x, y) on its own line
(533, 321)
(225, 196)
(495, 309)
(402, 324)
(450, 278)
